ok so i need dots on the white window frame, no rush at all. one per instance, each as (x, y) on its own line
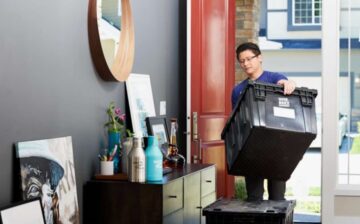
(330, 70)
(348, 188)
(330, 104)
(119, 8)
(292, 26)
(313, 16)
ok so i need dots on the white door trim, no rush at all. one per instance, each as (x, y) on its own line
(330, 74)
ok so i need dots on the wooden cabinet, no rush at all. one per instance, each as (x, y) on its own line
(196, 198)
(192, 203)
(179, 198)
(173, 196)
(208, 189)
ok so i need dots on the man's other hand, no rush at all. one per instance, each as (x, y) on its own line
(289, 86)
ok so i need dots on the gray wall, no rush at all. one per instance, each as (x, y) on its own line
(49, 87)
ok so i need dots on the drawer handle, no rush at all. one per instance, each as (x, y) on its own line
(208, 181)
(172, 196)
(199, 207)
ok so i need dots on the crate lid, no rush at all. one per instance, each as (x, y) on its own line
(266, 207)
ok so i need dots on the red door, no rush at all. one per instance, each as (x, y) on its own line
(212, 79)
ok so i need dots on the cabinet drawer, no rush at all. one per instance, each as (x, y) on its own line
(172, 196)
(208, 181)
(208, 199)
(174, 218)
(205, 201)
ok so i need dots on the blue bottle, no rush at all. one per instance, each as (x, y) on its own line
(154, 160)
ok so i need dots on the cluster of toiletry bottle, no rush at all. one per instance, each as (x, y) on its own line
(145, 166)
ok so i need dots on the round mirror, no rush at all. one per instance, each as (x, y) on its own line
(111, 37)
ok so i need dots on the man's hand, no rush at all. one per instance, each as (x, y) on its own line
(289, 86)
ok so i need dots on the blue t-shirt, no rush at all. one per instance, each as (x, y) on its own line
(266, 76)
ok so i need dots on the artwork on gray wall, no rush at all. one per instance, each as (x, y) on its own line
(141, 101)
(47, 171)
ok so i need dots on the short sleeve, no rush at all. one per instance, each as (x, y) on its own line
(233, 98)
(277, 77)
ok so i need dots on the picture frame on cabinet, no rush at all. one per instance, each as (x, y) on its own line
(157, 126)
(141, 101)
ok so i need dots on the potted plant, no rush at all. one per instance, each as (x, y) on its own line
(116, 130)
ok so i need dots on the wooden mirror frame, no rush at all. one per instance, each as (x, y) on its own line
(124, 57)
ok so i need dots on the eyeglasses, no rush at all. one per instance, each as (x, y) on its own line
(242, 61)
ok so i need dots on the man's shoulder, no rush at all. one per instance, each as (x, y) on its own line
(273, 77)
(239, 87)
(241, 84)
(269, 73)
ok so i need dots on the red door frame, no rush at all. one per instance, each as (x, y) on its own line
(211, 21)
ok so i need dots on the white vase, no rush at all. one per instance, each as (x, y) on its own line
(126, 148)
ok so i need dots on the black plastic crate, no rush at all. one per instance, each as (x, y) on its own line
(225, 211)
(268, 133)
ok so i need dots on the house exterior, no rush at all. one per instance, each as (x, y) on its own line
(290, 39)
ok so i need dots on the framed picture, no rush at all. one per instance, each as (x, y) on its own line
(47, 171)
(141, 102)
(157, 126)
(24, 212)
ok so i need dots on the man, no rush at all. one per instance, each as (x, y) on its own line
(250, 59)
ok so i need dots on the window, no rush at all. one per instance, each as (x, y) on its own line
(305, 14)
(119, 8)
(349, 90)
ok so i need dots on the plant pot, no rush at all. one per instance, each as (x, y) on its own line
(106, 167)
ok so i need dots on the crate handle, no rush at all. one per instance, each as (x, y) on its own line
(260, 91)
(270, 211)
(279, 91)
(306, 97)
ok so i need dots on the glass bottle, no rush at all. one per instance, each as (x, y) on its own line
(172, 150)
(173, 157)
(137, 162)
(154, 159)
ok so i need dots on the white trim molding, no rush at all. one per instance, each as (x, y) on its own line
(347, 190)
(330, 76)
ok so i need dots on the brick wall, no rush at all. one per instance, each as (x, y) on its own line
(247, 27)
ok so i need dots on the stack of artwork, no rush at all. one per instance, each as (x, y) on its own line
(47, 171)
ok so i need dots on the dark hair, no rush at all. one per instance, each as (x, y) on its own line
(248, 46)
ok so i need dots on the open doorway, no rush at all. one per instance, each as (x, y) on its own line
(289, 36)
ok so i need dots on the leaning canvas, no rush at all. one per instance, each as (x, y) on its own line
(47, 171)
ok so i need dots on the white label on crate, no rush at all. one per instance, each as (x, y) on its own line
(283, 102)
(284, 112)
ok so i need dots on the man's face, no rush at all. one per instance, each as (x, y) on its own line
(37, 184)
(47, 194)
(250, 62)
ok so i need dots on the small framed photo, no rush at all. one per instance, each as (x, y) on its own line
(157, 126)
(24, 212)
